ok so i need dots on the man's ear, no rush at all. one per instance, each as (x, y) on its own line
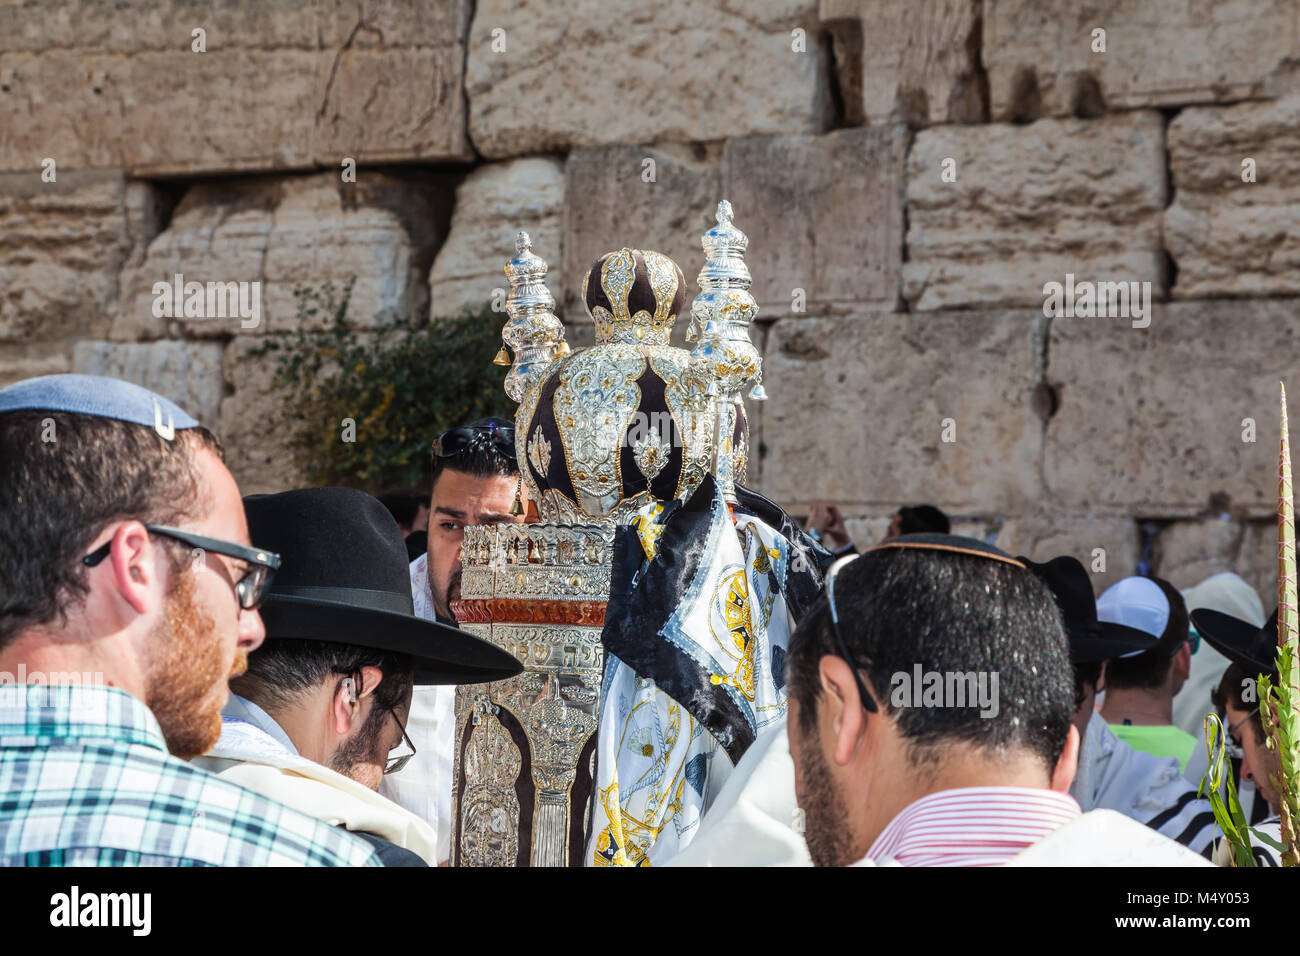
(1101, 677)
(138, 566)
(1183, 661)
(348, 706)
(1068, 763)
(841, 707)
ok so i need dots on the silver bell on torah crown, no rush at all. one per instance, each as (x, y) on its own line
(533, 332)
(724, 361)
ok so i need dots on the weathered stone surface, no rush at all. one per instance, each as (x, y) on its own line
(1040, 58)
(611, 206)
(1106, 547)
(282, 86)
(823, 214)
(29, 360)
(189, 373)
(1231, 237)
(1187, 552)
(858, 408)
(1030, 205)
(615, 71)
(284, 233)
(919, 60)
(61, 246)
(256, 424)
(494, 203)
(1257, 559)
(1151, 421)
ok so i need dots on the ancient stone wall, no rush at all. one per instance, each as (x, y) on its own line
(912, 174)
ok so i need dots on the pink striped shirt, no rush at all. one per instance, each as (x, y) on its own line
(974, 826)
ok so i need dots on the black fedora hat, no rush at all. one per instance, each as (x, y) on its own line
(344, 578)
(1239, 641)
(1091, 640)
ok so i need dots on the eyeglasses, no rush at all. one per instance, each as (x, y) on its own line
(250, 589)
(868, 700)
(454, 441)
(397, 763)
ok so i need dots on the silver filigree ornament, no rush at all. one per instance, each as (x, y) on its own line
(539, 452)
(651, 455)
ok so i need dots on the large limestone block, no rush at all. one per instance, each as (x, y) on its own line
(61, 246)
(1152, 421)
(189, 373)
(31, 359)
(661, 198)
(493, 204)
(280, 86)
(284, 233)
(919, 59)
(1185, 553)
(824, 214)
(1257, 560)
(256, 424)
(1230, 237)
(1106, 547)
(1030, 205)
(1041, 62)
(860, 408)
(546, 77)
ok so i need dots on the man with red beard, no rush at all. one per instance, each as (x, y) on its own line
(475, 482)
(129, 596)
(901, 758)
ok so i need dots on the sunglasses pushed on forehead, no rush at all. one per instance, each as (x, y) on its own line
(455, 441)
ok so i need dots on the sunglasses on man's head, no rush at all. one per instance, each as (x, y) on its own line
(868, 700)
(250, 589)
(455, 441)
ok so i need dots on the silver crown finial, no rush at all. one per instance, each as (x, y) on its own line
(533, 332)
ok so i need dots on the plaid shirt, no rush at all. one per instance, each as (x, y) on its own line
(86, 780)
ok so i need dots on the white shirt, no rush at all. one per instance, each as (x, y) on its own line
(423, 786)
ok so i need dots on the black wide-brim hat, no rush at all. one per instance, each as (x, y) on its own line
(1239, 641)
(1091, 640)
(344, 578)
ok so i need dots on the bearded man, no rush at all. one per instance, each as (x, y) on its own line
(130, 596)
(890, 774)
(326, 700)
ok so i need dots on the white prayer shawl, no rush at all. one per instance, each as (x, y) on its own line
(657, 769)
(1146, 788)
(254, 752)
(1097, 838)
(424, 785)
(755, 819)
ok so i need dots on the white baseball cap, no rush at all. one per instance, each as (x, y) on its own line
(1135, 602)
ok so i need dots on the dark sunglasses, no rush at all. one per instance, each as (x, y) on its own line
(868, 700)
(250, 589)
(455, 441)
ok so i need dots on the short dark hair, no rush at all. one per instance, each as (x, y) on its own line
(1232, 689)
(481, 459)
(282, 669)
(64, 477)
(922, 519)
(1151, 668)
(1086, 674)
(954, 614)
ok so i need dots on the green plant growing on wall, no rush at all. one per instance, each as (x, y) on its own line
(399, 386)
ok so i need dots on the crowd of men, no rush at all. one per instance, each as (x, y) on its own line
(188, 677)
